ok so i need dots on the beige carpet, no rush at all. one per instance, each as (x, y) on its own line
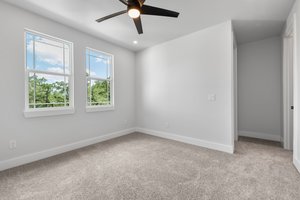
(142, 167)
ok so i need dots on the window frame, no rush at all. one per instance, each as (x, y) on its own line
(40, 112)
(99, 108)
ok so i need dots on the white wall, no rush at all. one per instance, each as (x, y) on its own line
(174, 80)
(295, 14)
(260, 89)
(38, 134)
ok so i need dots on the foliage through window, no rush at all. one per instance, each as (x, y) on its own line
(99, 71)
(48, 72)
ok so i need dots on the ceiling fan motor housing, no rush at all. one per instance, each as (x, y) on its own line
(134, 5)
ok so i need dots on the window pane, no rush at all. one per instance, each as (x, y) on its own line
(29, 51)
(109, 61)
(89, 92)
(31, 89)
(48, 57)
(48, 91)
(99, 92)
(99, 67)
(98, 64)
(67, 59)
(87, 62)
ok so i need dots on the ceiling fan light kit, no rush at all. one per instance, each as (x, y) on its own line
(134, 12)
(136, 8)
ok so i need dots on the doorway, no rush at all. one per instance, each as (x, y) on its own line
(259, 90)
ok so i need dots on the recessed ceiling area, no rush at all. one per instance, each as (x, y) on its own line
(252, 19)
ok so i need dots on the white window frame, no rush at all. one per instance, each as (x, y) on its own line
(99, 108)
(40, 112)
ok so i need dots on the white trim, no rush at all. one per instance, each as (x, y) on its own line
(47, 72)
(264, 136)
(99, 108)
(44, 112)
(296, 94)
(90, 108)
(288, 35)
(57, 39)
(188, 140)
(14, 162)
(93, 49)
(232, 82)
(234, 88)
(49, 111)
(286, 92)
(297, 164)
(25, 159)
(97, 79)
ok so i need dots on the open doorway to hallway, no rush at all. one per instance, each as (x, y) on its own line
(259, 90)
(267, 88)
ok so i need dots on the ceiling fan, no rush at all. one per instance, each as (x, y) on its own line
(136, 8)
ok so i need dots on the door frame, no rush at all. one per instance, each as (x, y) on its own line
(287, 46)
(290, 31)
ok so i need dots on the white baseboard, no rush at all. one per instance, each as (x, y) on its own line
(14, 162)
(297, 164)
(188, 140)
(25, 159)
(264, 136)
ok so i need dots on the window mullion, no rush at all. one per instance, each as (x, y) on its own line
(53, 45)
(98, 79)
(34, 75)
(91, 92)
(107, 70)
(48, 72)
(89, 74)
(89, 63)
(64, 68)
(34, 91)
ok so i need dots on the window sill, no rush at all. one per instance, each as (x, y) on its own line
(48, 112)
(99, 108)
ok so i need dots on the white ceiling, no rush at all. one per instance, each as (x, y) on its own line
(253, 19)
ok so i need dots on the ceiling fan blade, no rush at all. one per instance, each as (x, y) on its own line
(124, 2)
(111, 16)
(150, 10)
(138, 24)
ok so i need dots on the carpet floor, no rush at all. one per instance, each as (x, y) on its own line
(139, 166)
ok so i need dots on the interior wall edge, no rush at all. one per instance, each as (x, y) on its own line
(297, 164)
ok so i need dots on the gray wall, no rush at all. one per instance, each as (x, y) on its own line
(39, 134)
(260, 89)
(175, 79)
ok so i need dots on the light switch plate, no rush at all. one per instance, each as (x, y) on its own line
(212, 97)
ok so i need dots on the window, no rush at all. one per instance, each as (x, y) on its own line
(48, 75)
(99, 79)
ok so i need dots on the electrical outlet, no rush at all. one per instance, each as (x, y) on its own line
(12, 144)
